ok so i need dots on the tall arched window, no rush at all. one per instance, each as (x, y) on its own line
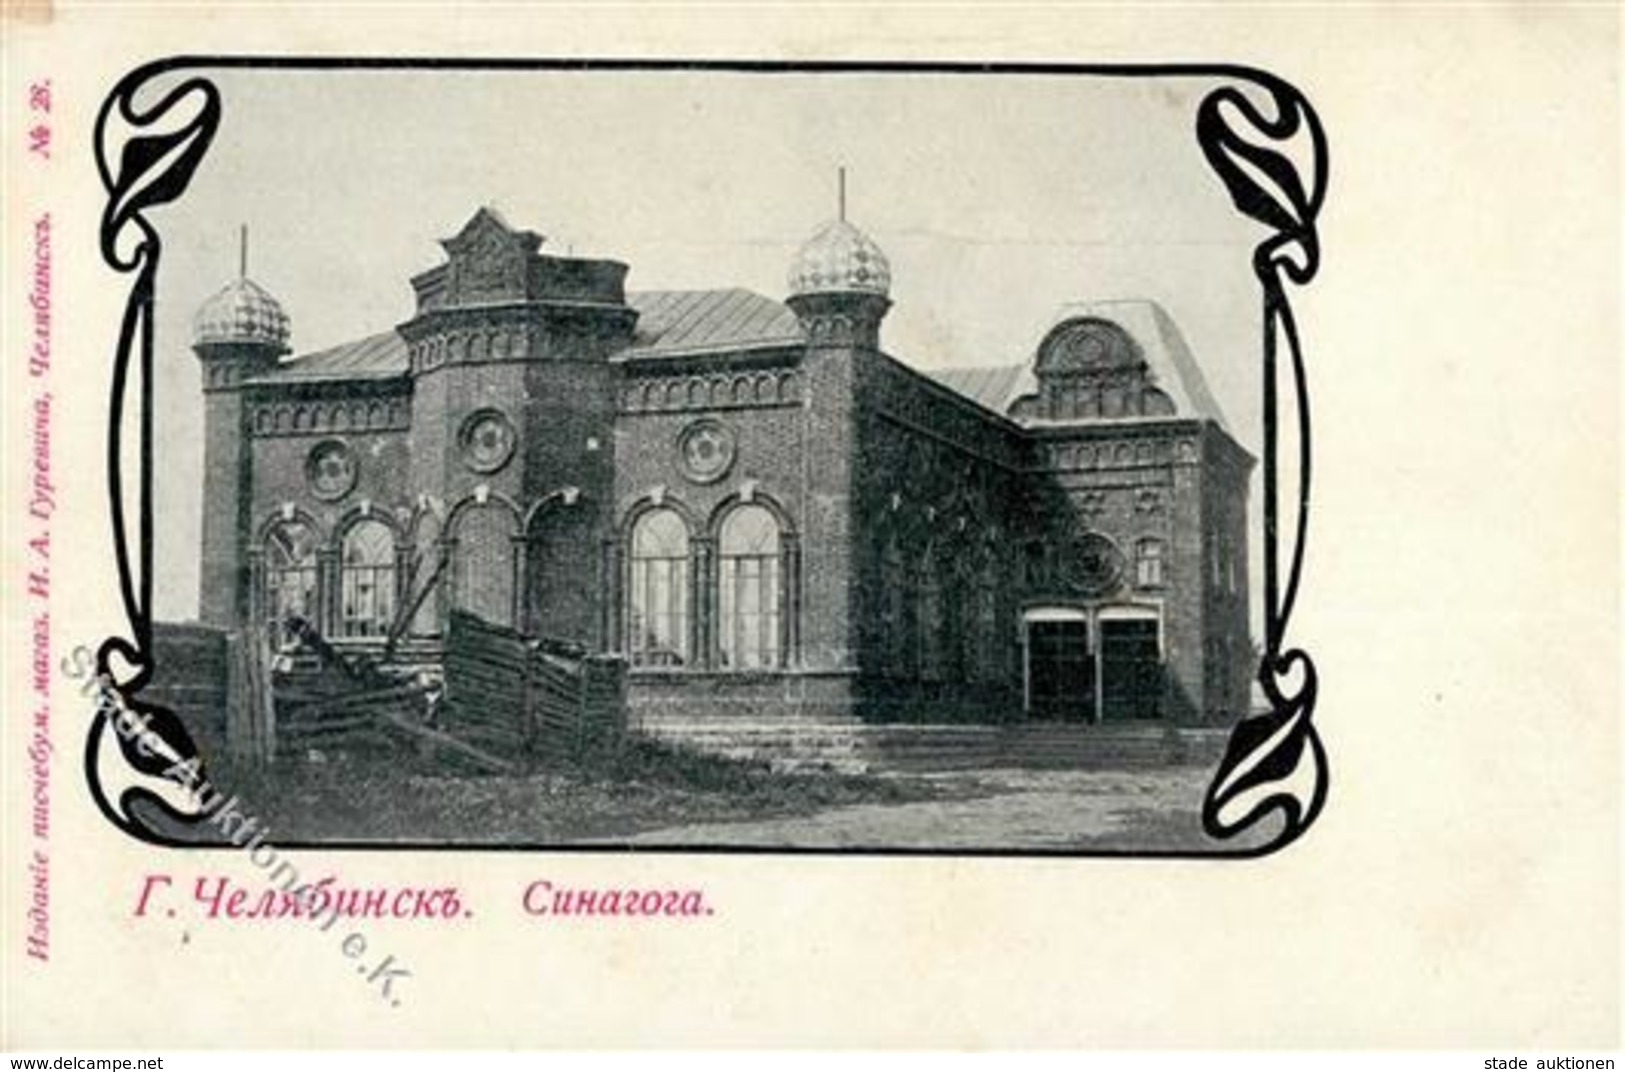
(561, 588)
(959, 621)
(428, 574)
(1034, 565)
(928, 615)
(749, 590)
(657, 598)
(985, 659)
(367, 580)
(484, 563)
(893, 609)
(290, 575)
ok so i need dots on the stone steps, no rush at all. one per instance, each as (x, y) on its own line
(785, 746)
(1109, 747)
(857, 747)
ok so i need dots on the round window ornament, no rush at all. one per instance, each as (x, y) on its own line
(705, 451)
(331, 470)
(487, 440)
(1093, 565)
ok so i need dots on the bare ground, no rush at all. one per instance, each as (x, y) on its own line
(1036, 810)
(665, 798)
(395, 795)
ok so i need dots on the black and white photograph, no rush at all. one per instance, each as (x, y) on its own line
(567, 461)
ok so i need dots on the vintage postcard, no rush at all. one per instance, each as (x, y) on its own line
(642, 528)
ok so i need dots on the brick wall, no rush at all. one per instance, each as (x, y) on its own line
(856, 452)
(937, 476)
(763, 409)
(1230, 665)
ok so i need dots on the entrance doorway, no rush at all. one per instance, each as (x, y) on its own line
(1060, 670)
(1130, 669)
(1094, 665)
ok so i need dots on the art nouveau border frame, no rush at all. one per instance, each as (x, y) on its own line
(1274, 167)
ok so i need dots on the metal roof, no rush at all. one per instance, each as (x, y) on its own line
(242, 311)
(674, 323)
(1173, 366)
(989, 386)
(375, 357)
(671, 323)
(678, 323)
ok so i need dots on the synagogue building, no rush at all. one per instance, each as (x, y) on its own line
(746, 496)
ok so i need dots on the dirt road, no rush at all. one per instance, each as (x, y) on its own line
(1021, 809)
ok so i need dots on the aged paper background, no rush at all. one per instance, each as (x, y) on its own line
(1462, 888)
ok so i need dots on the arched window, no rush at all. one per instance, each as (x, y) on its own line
(657, 598)
(894, 598)
(985, 659)
(928, 613)
(750, 586)
(428, 574)
(1034, 565)
(959, 622)
(1148, 563)
(561, 588)
(367, 580)
(290, 576)
(484, 562)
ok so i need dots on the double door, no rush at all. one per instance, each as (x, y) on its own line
(1083, 670)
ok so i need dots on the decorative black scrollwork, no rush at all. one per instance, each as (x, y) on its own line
(146, 155)
(1274, 167)
(158, 122)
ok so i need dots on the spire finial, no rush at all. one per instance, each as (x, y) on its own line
(840, 192)
(242, 251)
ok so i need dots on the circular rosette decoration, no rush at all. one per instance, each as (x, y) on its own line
(706, 451)
(330, 470)
(1092, 565)
(487, 440)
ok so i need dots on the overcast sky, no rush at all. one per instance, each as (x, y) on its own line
(996, 198)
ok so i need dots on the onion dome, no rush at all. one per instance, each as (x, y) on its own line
(241, 312)
(840, 259)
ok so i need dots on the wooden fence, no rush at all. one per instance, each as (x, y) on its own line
(515, 694)
(312, 697)
(189, 678)
(505, 696)
(250, 710)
